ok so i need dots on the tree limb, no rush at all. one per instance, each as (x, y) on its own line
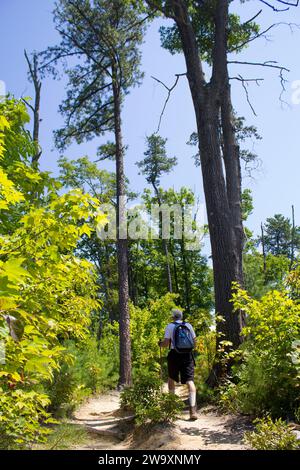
(263, 33)
(169, 89)
(269, 64)
(253, 18)
(28, 104)
(283, 2)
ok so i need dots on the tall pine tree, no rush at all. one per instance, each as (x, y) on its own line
(99, 50)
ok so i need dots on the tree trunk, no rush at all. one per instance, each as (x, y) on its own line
(222, 191)
(164, 245)
(168, 268)
(34, 74)
(174, 268)
(264, 251)
(122, 247)
(185, 268)
(293, 239)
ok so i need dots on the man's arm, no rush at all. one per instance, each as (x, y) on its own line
(164, 343)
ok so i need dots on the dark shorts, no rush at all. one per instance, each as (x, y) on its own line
(182, 364)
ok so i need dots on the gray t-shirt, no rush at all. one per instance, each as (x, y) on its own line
(170, 331)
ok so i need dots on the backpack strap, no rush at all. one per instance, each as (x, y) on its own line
(173, 334)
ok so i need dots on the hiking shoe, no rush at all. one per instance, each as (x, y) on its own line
(193, 413)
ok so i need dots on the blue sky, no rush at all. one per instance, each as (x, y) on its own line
(28, 24)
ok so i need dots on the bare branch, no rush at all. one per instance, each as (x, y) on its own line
(178, 75)
(31, 71)
(253, 18)
(283, 2)
(269, 64)
(244, 85)
(291, 4)
(272, 6)
(28, 104)
(241, 79)
(263, 34)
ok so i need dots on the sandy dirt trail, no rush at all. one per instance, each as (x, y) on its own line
(109, 429)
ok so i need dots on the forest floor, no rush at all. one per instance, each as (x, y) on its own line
(109, 428)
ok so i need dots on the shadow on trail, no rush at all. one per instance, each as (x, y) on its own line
(232, 432)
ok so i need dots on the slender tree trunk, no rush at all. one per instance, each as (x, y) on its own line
(174, 269)
(185, 267)
(168, 267)
(186, 277)
(264, 251)
(164, 245)
(293, 239)
(34, 74)
(122, 247)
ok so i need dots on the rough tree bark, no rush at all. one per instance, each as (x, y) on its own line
(222, 184)
(122, 246)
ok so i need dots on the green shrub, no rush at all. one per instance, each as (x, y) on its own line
(148, 402)
(61, 392)
(205, 354)
(271, 435)
(147, 327)
(268, 378)
(92, 369)
(21, 413)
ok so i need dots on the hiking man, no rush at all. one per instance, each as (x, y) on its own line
(181, 362)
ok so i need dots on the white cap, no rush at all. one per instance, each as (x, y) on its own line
(177, 314)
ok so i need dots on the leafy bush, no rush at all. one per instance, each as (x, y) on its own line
(61, 392)
(85, 369)
(20, 415)
(268, 378)
(46, 293)
(148, 402)
(271, 435)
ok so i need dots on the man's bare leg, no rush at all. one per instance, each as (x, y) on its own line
(171, 385)
(192, 400)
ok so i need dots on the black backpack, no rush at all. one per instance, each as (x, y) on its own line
(182, 338)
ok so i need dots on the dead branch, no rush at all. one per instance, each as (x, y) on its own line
(241, 79)
(27, 104)
(247, 97)
(283, 2)
(33, 67)
(269, 64)
(263, 33)
(169, 90)
(253, 18)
